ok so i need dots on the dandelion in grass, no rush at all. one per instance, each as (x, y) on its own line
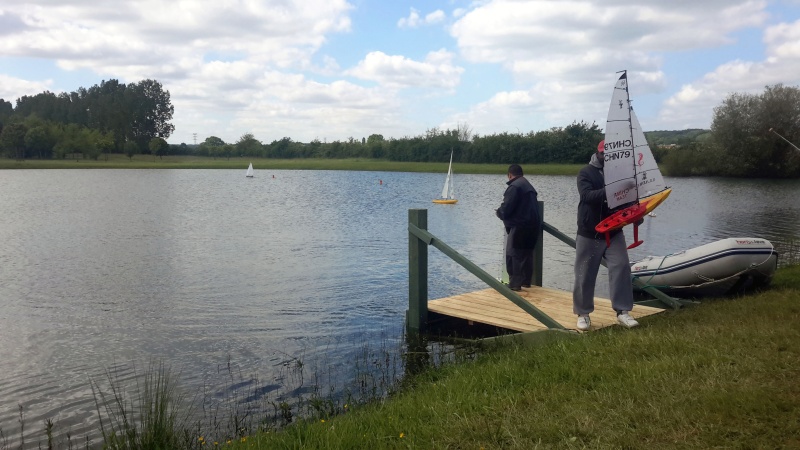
(322, 420)
(402, 435)
(244, 439)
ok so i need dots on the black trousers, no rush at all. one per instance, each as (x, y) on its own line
(519, 266)
(519, 261)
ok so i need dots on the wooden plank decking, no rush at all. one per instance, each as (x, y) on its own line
(490, 307)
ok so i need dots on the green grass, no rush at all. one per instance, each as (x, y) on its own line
(722, 374)
(116, 161)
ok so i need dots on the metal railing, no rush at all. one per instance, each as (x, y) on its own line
(419, 239)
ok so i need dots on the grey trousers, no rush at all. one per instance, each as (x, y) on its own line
(588, 254)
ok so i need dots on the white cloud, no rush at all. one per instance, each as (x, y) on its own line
(126, 34)
(694, 103)
(504, 31)
(565, 53)
(414, 20)
(397, 71)
(275, 104)
(13, 88)
(535, 109)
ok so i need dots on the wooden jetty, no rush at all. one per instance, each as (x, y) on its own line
(490, 307)
(530, 311)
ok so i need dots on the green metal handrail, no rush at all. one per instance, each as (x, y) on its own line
(419, 239)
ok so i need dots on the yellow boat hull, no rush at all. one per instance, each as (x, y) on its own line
(445, 201)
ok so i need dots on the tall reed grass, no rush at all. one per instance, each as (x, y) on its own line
(152, 409)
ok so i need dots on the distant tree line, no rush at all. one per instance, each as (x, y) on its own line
(571, 144)
(748, 136)
(111, 117)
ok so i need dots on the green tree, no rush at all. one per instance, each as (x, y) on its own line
(41, 140)
(248, 145)
(105, 143)
(12, 140)
(151, 111)
(375, 146)
(6, 109)
(742, 143)
(158, 147)
(280, 149)
(130, 148)
(212, 146)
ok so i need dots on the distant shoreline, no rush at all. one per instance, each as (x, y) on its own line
(116, 161)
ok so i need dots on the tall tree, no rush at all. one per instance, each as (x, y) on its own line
(742, 142)
(151, 111)
(12, 140)
(248, 145)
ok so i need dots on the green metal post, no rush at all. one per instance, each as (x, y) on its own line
(538, 253)
(425, 236)
(417, 315)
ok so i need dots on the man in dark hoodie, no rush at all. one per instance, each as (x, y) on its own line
(590, 248)
(520, 214)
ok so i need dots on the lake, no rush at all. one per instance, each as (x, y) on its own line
(105, 271)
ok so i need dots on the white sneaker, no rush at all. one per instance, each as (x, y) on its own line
(626, 320)
(584, 322)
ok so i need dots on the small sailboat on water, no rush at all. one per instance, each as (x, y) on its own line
(448, 193)
(250, 171)
(633, 181)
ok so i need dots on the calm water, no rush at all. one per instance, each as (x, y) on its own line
(110, 269)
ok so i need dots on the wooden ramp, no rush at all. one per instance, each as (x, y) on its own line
(490, 307)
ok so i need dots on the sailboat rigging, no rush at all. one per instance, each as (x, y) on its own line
(250, 171)
(448, 193)
(633, 180)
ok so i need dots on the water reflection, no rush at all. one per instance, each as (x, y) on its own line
(109, 268)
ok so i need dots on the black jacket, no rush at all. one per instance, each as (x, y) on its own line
(592, 208)
(520, 210)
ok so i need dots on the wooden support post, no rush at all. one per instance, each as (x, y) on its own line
(417, 314)
(503, 289)
(538, 253)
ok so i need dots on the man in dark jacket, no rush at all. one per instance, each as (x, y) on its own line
(591, 248)
(520, 214)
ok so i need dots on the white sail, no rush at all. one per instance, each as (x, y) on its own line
(250, 171)
(447, 191)
(649, 180)
(618, 170)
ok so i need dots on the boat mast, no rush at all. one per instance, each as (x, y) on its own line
(630, 129)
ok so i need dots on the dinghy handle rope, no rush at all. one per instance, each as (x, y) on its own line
(647, 283)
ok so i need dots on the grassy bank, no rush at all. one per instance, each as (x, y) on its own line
(720, 374)
(261, 164)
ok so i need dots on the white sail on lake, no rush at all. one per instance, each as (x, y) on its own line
(249, 171)
(448, 191)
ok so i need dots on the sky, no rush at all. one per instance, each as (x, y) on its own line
(339, 69)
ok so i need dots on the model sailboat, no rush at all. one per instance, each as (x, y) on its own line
(250, 171)
(448, 193)
(633, 181)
